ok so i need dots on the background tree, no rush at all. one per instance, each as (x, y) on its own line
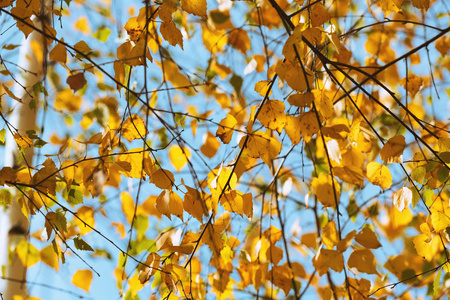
(225, 149)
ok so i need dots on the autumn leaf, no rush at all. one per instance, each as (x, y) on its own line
(328, 259)
(392, 151)
(76, 81)
(379, 175)
(327, 193)
(195, 7)
(412, 84)
(226, 129)
(402, 198)
(260, 145)
(210, 146)
(59, 53)
(82, 279)
(363, 260)
(169, 203)
(319, 15)
(272, 115)
(368, 239)
(179, 156)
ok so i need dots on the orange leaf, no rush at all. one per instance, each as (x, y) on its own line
(169, 203)
(368, 239)
(323, 189)
(363, 260)
(392, 151)
(226, 129)
(195, 7)
(210, 146)
(59, 53)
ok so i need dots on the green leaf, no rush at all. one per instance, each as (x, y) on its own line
(68, 2)
(39, 143)
(218, 17)
(81, 245)
(102, 33)
(418, 174)
(74, 196)
(5, 196)
(431, 166)
(236, 81)
(428, 196)
(437, 279)
(442, 174)
(415, 197)
(445, 156)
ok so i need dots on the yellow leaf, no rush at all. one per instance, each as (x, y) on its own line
(281, 276)
(179, 157)
(136, 163)
(319, 15)
(127, 206)
(294, 75)
(82, 279)
(27, 253)
(324, 105)
(233, 202)
(134, 128)
(379, 175)
(49, 257)
(368, 239)
(391, 5)
(22, 140)
(213, 40)
(421, 4)
(427, 245)
(305, 125)
(59, 53)
(85, 219)
(82, 25)
(67, 101)
(343, 244)
(171, 33)
(169, 203)
(294, 40)
(226, 129)
(262, 87)
(272, 115)
(11, 94)
(330, 235)
(301, 100)
(402, 198)
(239, 39)
(440, 214)
(221, 179)
(412, 84)
(195, 7)
(363, 260)
(323, 189)
(260, 145)
(163, 179)
(210, 145)
(325, 259)
(392, 151)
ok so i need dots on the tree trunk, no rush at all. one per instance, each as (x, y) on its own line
(14, 226)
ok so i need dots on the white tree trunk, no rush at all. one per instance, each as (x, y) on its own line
(14, 226)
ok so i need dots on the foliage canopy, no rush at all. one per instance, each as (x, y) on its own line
(200, 150)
